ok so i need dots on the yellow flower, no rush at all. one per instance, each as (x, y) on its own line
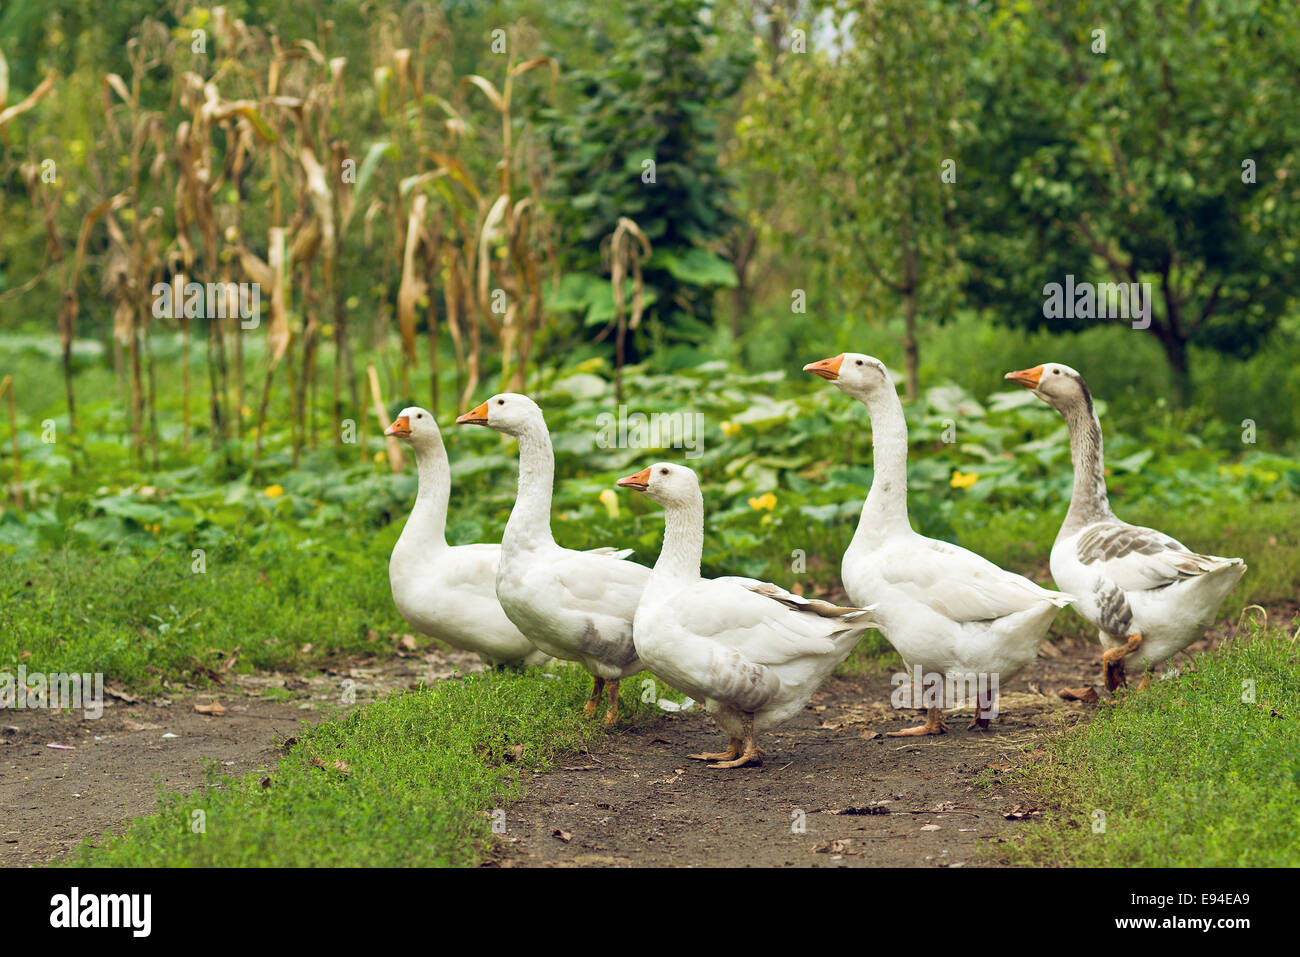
(380, 456)
(610, 500)
(730, 429)
(963, 479)
(767, 500)
(274, 491)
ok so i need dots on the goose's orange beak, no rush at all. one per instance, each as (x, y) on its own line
(401, 427)
(474, 416)
(1026, 377)
(640, 482)
(828, 369)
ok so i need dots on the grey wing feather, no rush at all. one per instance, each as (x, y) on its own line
(817, 606)
(1140, 558)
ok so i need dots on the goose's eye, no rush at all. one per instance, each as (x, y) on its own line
(663, 471)
(419, 415)
(859, 362)
(1056, 372)
(501, 401)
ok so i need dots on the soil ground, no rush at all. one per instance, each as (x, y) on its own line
(51, 798)
(832, 791)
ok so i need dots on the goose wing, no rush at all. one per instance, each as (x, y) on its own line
(764, 623)
(959, 584)
(1140, 559)
(597, 582)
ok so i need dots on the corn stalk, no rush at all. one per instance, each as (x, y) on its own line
(627, 249)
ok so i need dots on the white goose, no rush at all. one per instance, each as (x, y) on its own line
(443, 590)
(752, 652)
(1148, 594)
(946, 610)
(573, 605)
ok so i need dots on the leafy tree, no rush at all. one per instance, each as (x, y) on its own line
(864, 129)
(1136, 142)
(641, 142)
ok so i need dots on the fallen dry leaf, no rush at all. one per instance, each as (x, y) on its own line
(837, 846)
(1087, 695)
(216, 709)
(336, 765)
(563, 835)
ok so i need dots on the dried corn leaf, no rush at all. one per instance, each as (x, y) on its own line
(413, 285)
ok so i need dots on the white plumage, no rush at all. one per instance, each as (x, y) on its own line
(448, 591)
(571, 604)
(945, 610)
(751, 651)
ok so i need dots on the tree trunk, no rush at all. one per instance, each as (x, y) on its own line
(910, 285)
(1176, 352)
(740, 295)
(911, 351)
(1174, 340)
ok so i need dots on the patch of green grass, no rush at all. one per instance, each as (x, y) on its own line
(144, 618)
(1188, 772)
(411, 780)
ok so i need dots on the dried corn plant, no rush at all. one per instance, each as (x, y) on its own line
(29, 172)
(133, 260)
(509, 226)
(245, 174)
(7, 393)
(411, 82)
(624, 252)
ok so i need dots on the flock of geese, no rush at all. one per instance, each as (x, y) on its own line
(754, 653)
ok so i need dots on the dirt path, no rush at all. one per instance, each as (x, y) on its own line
(833, 791)
(51, 799)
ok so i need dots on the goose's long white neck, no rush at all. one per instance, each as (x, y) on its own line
(427, 525)
(679, 559)
(530, 519)
(885, 510)
(1088, 501)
